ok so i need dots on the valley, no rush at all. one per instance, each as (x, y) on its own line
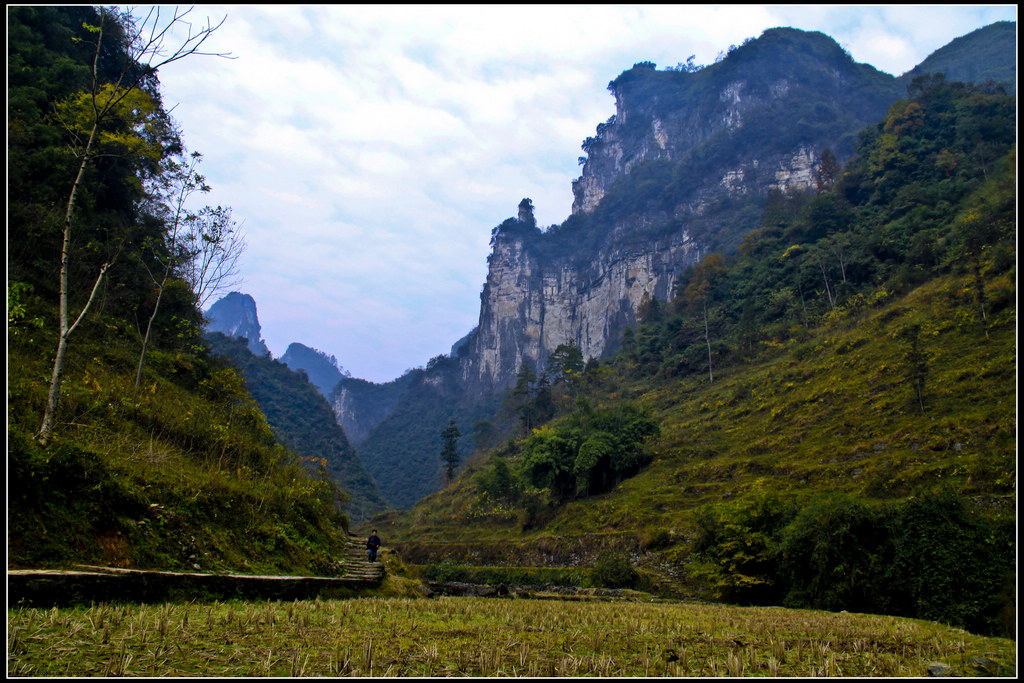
(749, 410)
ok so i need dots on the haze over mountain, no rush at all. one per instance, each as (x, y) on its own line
(823, 417)
(303, 420)
(378, 104)
(681, 170)
(323, 370)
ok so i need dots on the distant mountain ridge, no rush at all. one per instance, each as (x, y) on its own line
(683, 169)
(323, 370)
(977, 57)
(292, 392)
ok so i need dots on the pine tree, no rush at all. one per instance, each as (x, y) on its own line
(450, 452)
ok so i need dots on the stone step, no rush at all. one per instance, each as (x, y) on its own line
(356, 564)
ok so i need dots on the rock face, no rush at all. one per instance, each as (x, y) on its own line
(235, 316)
(682, 169)
(760, 118)
(532, 304)
(359, 406)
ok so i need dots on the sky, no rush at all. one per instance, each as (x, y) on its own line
(368, 150)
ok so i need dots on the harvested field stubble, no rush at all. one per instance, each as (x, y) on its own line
(481, 637)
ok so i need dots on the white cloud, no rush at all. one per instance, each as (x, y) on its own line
(370, 149)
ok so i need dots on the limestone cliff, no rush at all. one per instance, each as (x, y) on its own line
(359, 405)
(531, 303)
(680, 170)
(758, 119)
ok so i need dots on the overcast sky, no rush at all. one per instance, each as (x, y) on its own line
(368, 151)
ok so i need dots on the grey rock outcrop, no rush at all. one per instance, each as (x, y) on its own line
(532, 304)
(235, 316)
(683, 169)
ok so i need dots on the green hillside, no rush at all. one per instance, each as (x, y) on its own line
(976, 57)
(841, 390)
(151, 454)
(403, 451)
(303, 420)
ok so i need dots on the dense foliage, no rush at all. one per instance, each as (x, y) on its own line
(402, 453)
(588, 453)
(928, 556)
(881, 229)
(166, 463)
(185, 474)
(48, 74)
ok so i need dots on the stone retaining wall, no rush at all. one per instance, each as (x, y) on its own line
(48, 588)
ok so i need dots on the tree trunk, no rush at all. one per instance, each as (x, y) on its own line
(828, 290)
(707, 339)
(979, 292)
(53, 396)
(145, 339)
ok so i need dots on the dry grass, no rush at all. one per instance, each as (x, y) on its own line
(480, 637)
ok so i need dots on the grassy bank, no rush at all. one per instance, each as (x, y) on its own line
(485, 637)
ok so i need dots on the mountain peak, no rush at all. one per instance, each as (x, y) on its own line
(235, 315)
(322, 370)
(977, 57)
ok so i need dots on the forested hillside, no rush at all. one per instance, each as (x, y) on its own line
(824, 418)
(303, 421)
(403, 451)
(322, 370)
(128, 444)
(978, 57)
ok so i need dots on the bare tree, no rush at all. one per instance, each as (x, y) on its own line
(703, 279)
(182, 181)
(200, 248)
(212, 246)
(146, 50)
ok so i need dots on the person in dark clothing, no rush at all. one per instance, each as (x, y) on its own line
(372, 544)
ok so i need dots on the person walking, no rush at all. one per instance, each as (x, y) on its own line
(372, 544)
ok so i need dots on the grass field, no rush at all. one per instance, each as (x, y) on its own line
(402, 636)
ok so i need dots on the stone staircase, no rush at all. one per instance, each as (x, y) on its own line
(356, 565)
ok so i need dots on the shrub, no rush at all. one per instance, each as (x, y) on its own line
(737, 548)
(831, 552)
(949, 565)
(614, 570)
(928, 557)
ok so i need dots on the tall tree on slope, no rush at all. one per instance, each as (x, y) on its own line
(118, 117)
(450, 452)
